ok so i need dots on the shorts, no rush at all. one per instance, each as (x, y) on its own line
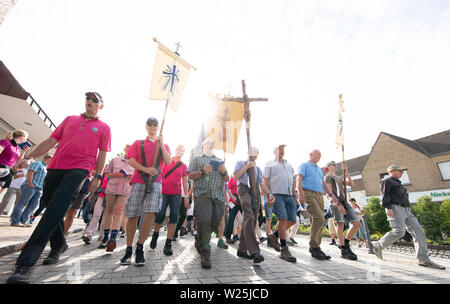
(141, 202)
(268, 212)
(351, 215)
(285, 207)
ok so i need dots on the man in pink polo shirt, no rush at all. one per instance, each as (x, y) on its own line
(83, 141)
(174, 176)
(146, 189)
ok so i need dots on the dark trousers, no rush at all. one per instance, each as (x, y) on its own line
(182, 216)
(248, 240)
(173, 202)
(231, 216)
(60, 189)
(208, 213)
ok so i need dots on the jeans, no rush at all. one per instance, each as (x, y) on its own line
(361, 232)
(231, 217)
(28, 201)
(60, 189)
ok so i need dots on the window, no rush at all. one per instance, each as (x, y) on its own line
(444, 168)
(404, 179)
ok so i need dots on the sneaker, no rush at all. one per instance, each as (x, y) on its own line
(293, 241)
(230, 241)
(122, 235)
(139, 257)
(347, 253)
(87, 239)
(236, 238)
(290, 243)
(154, 241)
(274, 242)
(316, 253)
(52, 258)
(377, 250)
(431, 264)
(333, 242)
(262, 239)
(102, 245)
(111, 245)
(18, 225)
(168, 250)
(243, 254)
(206, 262)
(126, 260)
(257, 258)
(221, 244)
(183, 231)
(286, 255)
(192, 232)
(359, 245)
(21, 275)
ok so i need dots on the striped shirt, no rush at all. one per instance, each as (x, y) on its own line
(40, 171)
(210, 184)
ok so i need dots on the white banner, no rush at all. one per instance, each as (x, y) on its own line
(169, 78)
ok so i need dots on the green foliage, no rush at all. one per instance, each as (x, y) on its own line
(430, 217)
(445, 211)
(376, 217)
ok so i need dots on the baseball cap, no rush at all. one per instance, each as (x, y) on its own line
(97, 95)
(330, 163)
(152, 120)
(395, 167)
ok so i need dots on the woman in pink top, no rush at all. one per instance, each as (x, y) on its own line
(9, 154)
(118, 173)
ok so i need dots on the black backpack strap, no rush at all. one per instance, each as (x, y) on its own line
(144, 163)
(178, 165)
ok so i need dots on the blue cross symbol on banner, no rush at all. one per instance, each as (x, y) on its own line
(171, 73)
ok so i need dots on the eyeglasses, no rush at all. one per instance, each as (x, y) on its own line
(152, 124)
(92, 98)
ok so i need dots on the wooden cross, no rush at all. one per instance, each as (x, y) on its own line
(247, 116)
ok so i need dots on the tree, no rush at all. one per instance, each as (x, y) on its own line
(430, 217)
(445, 211)
(376, 217)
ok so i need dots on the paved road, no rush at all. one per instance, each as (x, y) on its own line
(85, 264)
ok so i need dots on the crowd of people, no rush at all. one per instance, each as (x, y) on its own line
(147, 187)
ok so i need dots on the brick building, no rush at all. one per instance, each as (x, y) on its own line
(427, 163)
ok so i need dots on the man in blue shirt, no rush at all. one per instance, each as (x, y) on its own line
(250, 206)
(310, 186)
(31, 192)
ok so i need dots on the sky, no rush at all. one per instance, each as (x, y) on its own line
(389, 59)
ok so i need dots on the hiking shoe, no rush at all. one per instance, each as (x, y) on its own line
(316, 253)
(347, 253)
(139, 259)
(21, 275)
(206, 262)
(243, 254)
(111, 245)
(221, 244)
(87, 239)
(230, 241)
(168, 250)
(52, 258)
(333, 242)
(293, 241)
(327, 257)
(274, 242)
(257, 258)
(286, 255)
(126, 259)
(431, 264)
(102, 245)
(154, 241)
(377, 250)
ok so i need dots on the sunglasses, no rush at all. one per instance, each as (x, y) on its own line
(92, 98)
(152, 124)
